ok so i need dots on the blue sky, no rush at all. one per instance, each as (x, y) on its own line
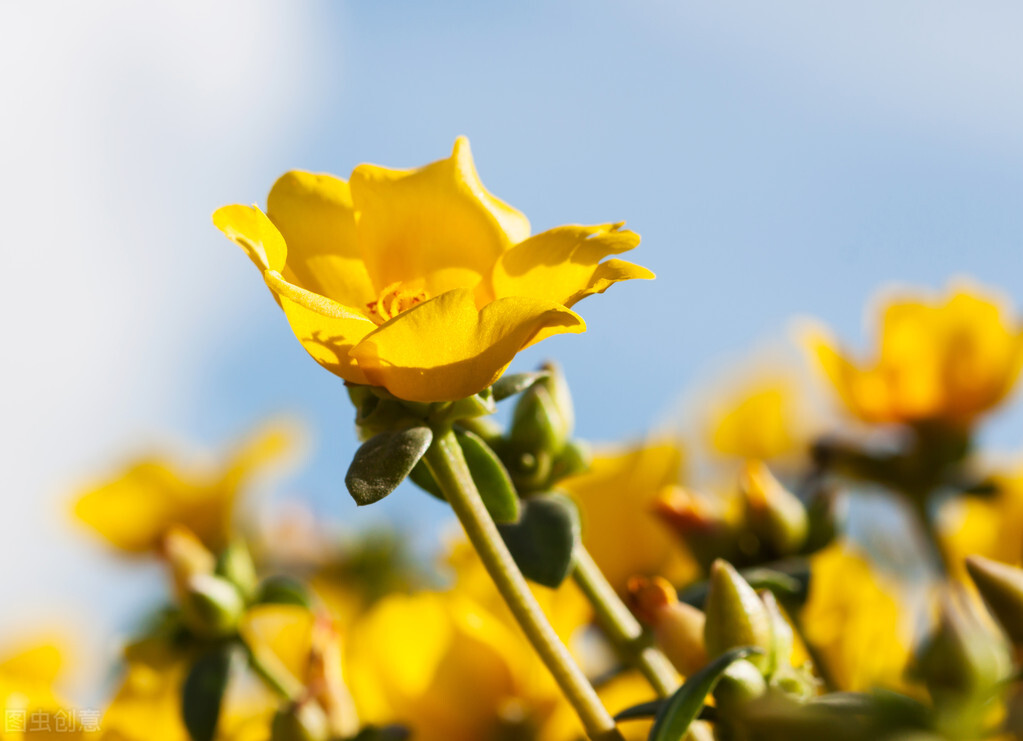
(779, 160)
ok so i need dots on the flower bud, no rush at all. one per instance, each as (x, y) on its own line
(774, 513)
(735, 615)
(740, 683)
(557, 386)
(678, 627)
(543, 418)
(211, 606)
(300, 721)
(698, 525)
(185, 555)
(235, 564)
(782, 638)
(1001, 586)
(961, 659)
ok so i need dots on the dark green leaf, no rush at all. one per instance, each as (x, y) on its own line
(515, 383)
(649, 710)
(543, 539)
(384, 461)
(203, 692)
(284, 590)
(383, 733)
(643, 710)
(682, 708)
(491, 478)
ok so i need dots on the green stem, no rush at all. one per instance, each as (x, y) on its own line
(621, 626)
(447, 464)
(278, 679)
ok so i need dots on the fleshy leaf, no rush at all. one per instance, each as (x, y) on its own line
(491, 478)
(543, 539)
(203, 692)
(515, 383)
(682, 708)
(384, 461)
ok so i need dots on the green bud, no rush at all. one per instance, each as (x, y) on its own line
(782, 639)
(574, 458)
(961, 659)
(740, 683)
(211, 606)
(537, 425)
(235, 564)
(302, 721)
(775, 514)
(735, 615)
(558, 387)
(1001, 586)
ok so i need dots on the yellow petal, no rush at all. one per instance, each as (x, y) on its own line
(445, 349)
(326, 329)
(314, 213)
(619, 526)
(134, 510)
(564, 264)
(280, 635)
(436, 227)
(39, 663)
(249, 228)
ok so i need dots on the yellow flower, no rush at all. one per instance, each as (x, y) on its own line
(620, 528)
(412, 659)
(420, 281)
(29, 674)
(147, 704)
(856, 622)
(136, 509)
(939, 360)
(986, 526)
(761, 419)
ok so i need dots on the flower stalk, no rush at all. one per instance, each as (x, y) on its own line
(447, 464)
(621, 626)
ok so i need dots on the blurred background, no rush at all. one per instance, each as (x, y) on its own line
(780, 160)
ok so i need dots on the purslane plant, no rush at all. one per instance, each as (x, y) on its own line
(418, 288)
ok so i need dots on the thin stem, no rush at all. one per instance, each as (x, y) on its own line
(278, 679)
(446, 462)
(621, 626)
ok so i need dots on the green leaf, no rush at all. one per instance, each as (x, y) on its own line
(423, 478)
(515, 383)
(383, 733)
(642, 711)
(284, 590)
(491, 478)
(682, 708)
(203, 692)
(544, 538)
(384, 461)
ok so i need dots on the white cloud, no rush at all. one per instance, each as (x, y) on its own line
(124, 125)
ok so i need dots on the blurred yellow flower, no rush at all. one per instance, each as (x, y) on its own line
(136, 509)
(29, 702)
(620, 528)
(453, 665)
(286, 638)
(939, 360)
(420, 281)
(856, 622)
(147, 703)
(761, 419)
(986, 526)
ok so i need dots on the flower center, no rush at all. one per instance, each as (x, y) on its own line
(393, 300)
